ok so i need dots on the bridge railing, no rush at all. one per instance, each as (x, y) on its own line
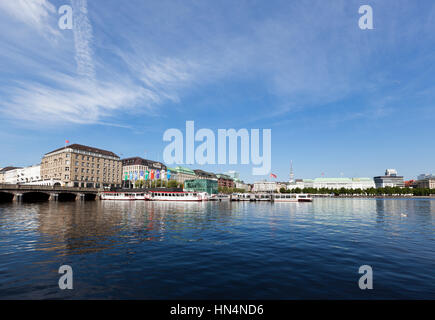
(15, 187)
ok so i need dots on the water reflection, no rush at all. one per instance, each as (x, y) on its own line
(218, 249)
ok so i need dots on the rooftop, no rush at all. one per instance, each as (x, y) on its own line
(182, 170)
(140, 161)
(81, 147)
(203, 173)
(8, 169)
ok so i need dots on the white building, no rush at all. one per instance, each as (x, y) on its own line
(26, 175)
(333, 183)
(264, 186)
(241, 185)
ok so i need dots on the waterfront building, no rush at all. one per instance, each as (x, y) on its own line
(239, 184)
(3, 173)
(201, 185)
(390, 179)
(298, 183)
(201, 174)
(135, 168)
(333, 183)
(181, 174)
(346, 183)
(26, 175)
(264, 186)
(225, 180)
(426, 183)
(82, 166)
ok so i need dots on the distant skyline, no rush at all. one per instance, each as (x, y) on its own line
(338, 99)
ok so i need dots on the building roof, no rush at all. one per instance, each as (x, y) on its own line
(87, 149)
(203, 173)
(184, 170)
(143, 162)
(224, 176)
(337, 180)
(8, 169)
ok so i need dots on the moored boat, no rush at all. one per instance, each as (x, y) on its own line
(261, 197)
(285, 197)
(291, 197)
(114, 195)
(223, 197)
(177, 196)
(304, 198)
(241, 197)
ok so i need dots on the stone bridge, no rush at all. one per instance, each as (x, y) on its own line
(16, 192)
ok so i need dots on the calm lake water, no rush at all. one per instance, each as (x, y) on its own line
(151, 250)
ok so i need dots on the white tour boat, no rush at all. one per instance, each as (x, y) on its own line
(292, 197)
(114, 195)
(304, 198)
(241, 197)
(177, 196)
(261, 197)
(285, 197)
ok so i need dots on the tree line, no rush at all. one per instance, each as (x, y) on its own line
(366, 192)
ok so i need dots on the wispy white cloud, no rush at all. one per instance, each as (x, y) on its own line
(76, 101)
(82, 29)
(150, 53)
(34, 13)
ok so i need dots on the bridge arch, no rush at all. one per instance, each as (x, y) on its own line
(90, 196)
(66, 196)
(6, 196)
(35, 196)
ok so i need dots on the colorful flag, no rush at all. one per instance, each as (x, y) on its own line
(125, 176)
(141, 175)
(146, 174)
(157, 174)
(168, 174)
(273, 175)
(152, 174)
(66, 141)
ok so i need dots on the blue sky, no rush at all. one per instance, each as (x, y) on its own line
(339, 100)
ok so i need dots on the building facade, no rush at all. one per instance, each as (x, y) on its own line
(333, 183)
(136, 168)
(82, 166)
(3, 173)
(201, 174)
(225, 181)
(181, 174)
(201, 185)
(426, 183)
(241, 185)
(264, 186)
(26, 175)
(390, 179)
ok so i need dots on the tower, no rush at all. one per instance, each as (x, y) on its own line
(292, 176)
